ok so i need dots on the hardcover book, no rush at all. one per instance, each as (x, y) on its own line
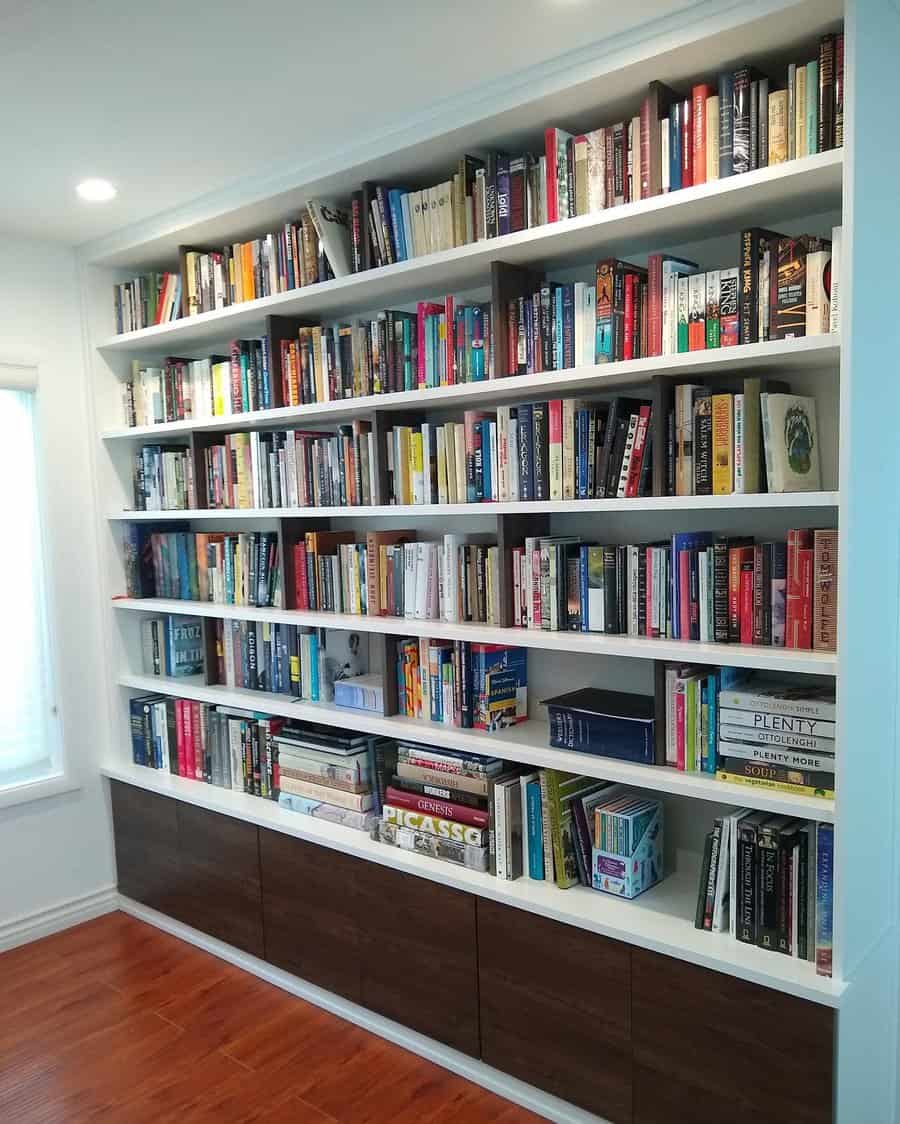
(791, 441)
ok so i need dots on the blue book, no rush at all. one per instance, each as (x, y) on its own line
(726, 124)
(605, 723)
(477, 359)
(712, 700)
(583, 586)
(558, 363)
(535, 829)
(675, 146)
(568, 326)
(267, 402)
(138, 741)
(407, 224)
(183, 646)
(824, 897)
(687, 540)
(395, 196)
(526, 452)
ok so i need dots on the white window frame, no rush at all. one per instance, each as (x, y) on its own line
(62, 778)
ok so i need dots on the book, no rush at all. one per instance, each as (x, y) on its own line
(791, 442)
(605, 723)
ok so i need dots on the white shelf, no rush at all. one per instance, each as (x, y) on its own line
(718, 207)
(660, 920)
(586, 643)
(782, 356)
(758, 501)
(525, 743)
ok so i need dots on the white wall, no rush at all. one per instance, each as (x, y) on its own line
(59, 848)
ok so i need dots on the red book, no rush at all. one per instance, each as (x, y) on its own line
(237, 397)
(797, 542)
(433, 806)
(512, 339)
(554, 147)
(805, 627)
(554, 408)
(737, 555)
(699, 94)
(197, 733)
(423, 309)
(179, 737)
(654, 304)
(637, 456)
(687, 144)
(628, 344)
(301, 582)
(684, 595)
(746, 598)
(188, 735)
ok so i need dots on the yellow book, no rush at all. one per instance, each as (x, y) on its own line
(778, 130)
(383, 577)
(318, 364)
(800, 114)
(241, 442)
(776, 786)
(404, 490)
(248, 282)
(237, 271)
(443, 494)
(450, 454)
(712, 138)
(416, 467)
(232, 277)
(190, 280)
(723, 445)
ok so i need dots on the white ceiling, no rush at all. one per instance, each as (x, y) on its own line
(171, 100)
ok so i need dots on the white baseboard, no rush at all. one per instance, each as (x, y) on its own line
(33, 926)
(537, 1101)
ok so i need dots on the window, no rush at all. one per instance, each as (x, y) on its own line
(29, 729)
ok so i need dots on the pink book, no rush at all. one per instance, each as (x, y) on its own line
(679, 727)
(684, 595)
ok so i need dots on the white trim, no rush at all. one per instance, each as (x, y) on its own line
(43, 922)
(544, 1104)
(40, 788)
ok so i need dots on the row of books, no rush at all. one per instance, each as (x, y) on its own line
(557, 449)
(463, 684)
(391, 574)
(163, 478)
(291, 468)
(172, 646)
(150, 298)
(755, 440)
(695, 587)
(284, 659)
(769, 881)
(224, 567)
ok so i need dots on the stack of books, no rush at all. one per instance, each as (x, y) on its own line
(327, 773)
(437, 804)
(769, 881)
(463, 684)
(777, 736)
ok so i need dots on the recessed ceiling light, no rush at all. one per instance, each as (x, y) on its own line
(96, 191)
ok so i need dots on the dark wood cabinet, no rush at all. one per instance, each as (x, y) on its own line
(708, 1047)
(311, 911)
(146, 836)
(630, 1035)
(419, 963)
(220, 888)
(556, 1008)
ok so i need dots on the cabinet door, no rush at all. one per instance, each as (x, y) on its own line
(220, 877)
(311, 911)
(555, 1008)
(708, 1047)
(145, 830)
(419, 955)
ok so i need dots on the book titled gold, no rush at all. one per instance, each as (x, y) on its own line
(776, 786)
(778, 127)
(723, 445)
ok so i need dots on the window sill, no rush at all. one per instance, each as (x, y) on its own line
(23, 792)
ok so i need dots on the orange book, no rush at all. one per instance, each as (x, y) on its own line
(249, 285)
(699, 94)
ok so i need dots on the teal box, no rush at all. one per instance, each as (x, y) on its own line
(634, 865)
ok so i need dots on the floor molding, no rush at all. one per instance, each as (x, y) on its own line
(43, 922)
(537, 1101)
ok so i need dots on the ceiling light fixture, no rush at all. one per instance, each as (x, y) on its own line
(96, 191)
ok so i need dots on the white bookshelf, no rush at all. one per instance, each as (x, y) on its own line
(810, 193)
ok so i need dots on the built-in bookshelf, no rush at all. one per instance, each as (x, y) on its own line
(813, 194)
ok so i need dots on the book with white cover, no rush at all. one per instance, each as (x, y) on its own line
(332, 225)
(791, 441)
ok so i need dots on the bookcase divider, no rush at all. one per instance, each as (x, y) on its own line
(210, 656)
(508, 282)
(383, 649)
(662, 397)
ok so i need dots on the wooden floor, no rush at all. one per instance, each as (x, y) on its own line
(115, 1021)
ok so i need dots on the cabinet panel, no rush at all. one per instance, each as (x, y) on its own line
(145, 829)
(311, 911)
(708, 1048)
(555, 1008)
(419, 955)
(219, 885)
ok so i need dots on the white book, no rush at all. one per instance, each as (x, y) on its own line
(409, 579)
(818, 307)
(514, 460)
(498, 809)
(492, 453)
(420, 598)
(834, 312)
(503, 455)
(723, 871)
(580, 323)
(332, 225)
(427, 477)
(740, 481)
(441, 464)
(791, 442)
(627, 455)
(450, 570)
(587, 357)
(459, 435)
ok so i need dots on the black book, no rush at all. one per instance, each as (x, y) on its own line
(754, 242)
(610, 593)
(715, 858)
(742, 99)
(670, 453)
(703, 441)
(704, 879)
(726, 125)
(754, 125)
(768, 911)
(541, 451)
(614, 465)
(642, 591)
(747, 877)
(368, 247)
(619, 408)
(645, 482)
(720, 590)
(490, 194)
(825, 94)
(763, 119)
